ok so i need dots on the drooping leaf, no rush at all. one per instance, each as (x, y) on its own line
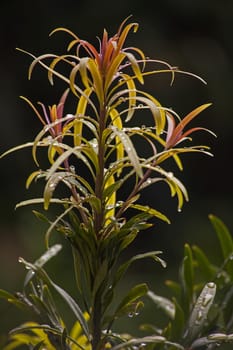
(128, 302)
(124, 267)
(130, 150)
(49, 254)
(162, 303)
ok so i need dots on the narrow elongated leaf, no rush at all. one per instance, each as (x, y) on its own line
(177, 326)
(17, 148)
(133, 295)
(132, 95)
(135, 66)
(153, 340)
(113, 69)
(67, 298)
(41, 201)
(97, 80)
(164, 304)
(117, 122)
(151, 211)
(49, 254)
(204, 265)
(130, 150)
(80, 111)
(124, 267)
(200, 312)
(157, 112)
(225, 240)
(187, 275)
(13, 300)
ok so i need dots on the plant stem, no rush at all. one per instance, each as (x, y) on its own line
(100, 175)
(96, 322)
(134, 191)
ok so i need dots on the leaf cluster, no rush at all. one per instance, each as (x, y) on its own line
(200, 312)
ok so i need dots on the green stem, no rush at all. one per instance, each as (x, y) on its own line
(96, 322)
(100, 176)
(135, 190)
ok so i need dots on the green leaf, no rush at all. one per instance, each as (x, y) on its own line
(100, 276)
(225, 241)
(124, 267)
(199, 313)
(67, 298)
(187, 278)
(150, 211)
(153, 339)
(177, 325)
(128, 305)
(13, 300)
(175, 288)
(207, 270)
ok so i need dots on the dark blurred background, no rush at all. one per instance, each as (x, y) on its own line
(194, 35)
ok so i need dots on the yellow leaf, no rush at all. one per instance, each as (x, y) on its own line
(112, 199)
(80, 111)
(32, 177)
(132, 95)
(117, 122)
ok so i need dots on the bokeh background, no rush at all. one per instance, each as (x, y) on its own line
(194, 35)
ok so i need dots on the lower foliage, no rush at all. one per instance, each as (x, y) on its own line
(199, 314)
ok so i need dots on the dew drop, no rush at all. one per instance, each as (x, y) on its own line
(140, 105)
(179, 210)
(72, 169)
(207, 299)
(211, 284)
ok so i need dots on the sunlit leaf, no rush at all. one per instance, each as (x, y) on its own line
(80, 111)
(132, 95)
(130, 150)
